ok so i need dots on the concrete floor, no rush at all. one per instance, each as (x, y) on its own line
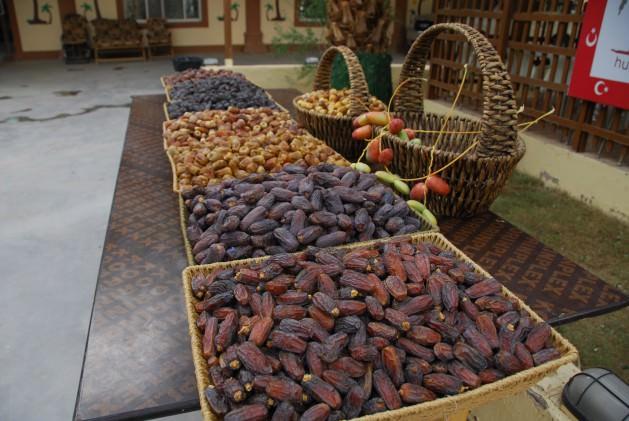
(60, 157)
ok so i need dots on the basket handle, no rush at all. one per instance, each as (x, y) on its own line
(498, 122)
(359, 97)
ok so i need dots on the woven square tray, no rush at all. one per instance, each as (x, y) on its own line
(437, 409)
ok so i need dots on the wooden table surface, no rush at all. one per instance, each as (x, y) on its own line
(138, 364)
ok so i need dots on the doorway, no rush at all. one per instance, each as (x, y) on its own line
(7, 49)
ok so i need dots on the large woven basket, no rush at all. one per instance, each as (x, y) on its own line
(477, 178)
(438, 409)
(334, 130)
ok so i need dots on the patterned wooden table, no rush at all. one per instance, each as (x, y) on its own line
(137, 362)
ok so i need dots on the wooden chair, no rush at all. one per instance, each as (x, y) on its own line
(75, 39)
(117, 36)
(158, 36)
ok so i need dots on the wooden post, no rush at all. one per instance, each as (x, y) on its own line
(253, 33)
(503, 29)
(227, 21)
(399, 36)
(579, 137)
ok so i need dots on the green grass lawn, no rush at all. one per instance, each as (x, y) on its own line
(597, 242)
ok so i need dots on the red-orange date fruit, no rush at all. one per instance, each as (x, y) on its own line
(325, 320)
(374, 308)
(478, 341)
(415, 349)
(413, 393)
(313, 360)
(443, 384)
(292, 365)
(470, 356)
(438, 185)
(424, 335)
(537, 337)
(289, 311)
(327, 286)
(397, 319)
(349, 366)
(386, 156)
(293, 297)
(508, 362)
(260, 331)
(353, 402)
(364, 352)
(350, 307)
(486, 327)
(522, 353)
(379, 292)
(374, 406)
(468, 307)
(218, 403)
(253, 358)
(467, 376)
(325, 303)
(226, 332)
(490, 375)
(333, 345)
(209, 347)
(254, 412)
(486, 287)
(359, 281)
(282, 389)
(443, 351)
(318, 412)
(383, 330)
(416, 305)
(363, 132)
(450, 296)
(392, 365)
(396, 288)
(386, 389)
(287, 342)
(321, 391)
(494, 303)
(233, 390)
(341, 381)
(393, 263)
(545, 355)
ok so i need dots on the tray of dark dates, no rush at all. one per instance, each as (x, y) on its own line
(273, 213)
(392, 329)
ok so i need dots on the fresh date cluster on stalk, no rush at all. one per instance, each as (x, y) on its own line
(331, 334)
(267, 214)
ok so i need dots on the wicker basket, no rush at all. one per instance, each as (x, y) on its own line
(477, 178)
(337, 131)
(184, 214)
(437, 409)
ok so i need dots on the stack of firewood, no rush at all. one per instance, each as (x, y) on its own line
(362, 25)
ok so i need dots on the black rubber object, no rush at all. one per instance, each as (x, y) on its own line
(597, 394)
(182, 63)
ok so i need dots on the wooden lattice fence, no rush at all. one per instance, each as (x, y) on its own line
(537, 41)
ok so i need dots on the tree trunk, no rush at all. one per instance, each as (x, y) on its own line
(235, 18)
(97, 9)
(49, 18)
(36, 18)
(278, 15)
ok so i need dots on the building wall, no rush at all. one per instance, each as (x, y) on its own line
(46, 38)
(38, 37)
(272, 28)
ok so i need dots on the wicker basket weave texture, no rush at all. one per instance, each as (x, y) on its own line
(336, 131)
(478, 177)
(434, 410)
